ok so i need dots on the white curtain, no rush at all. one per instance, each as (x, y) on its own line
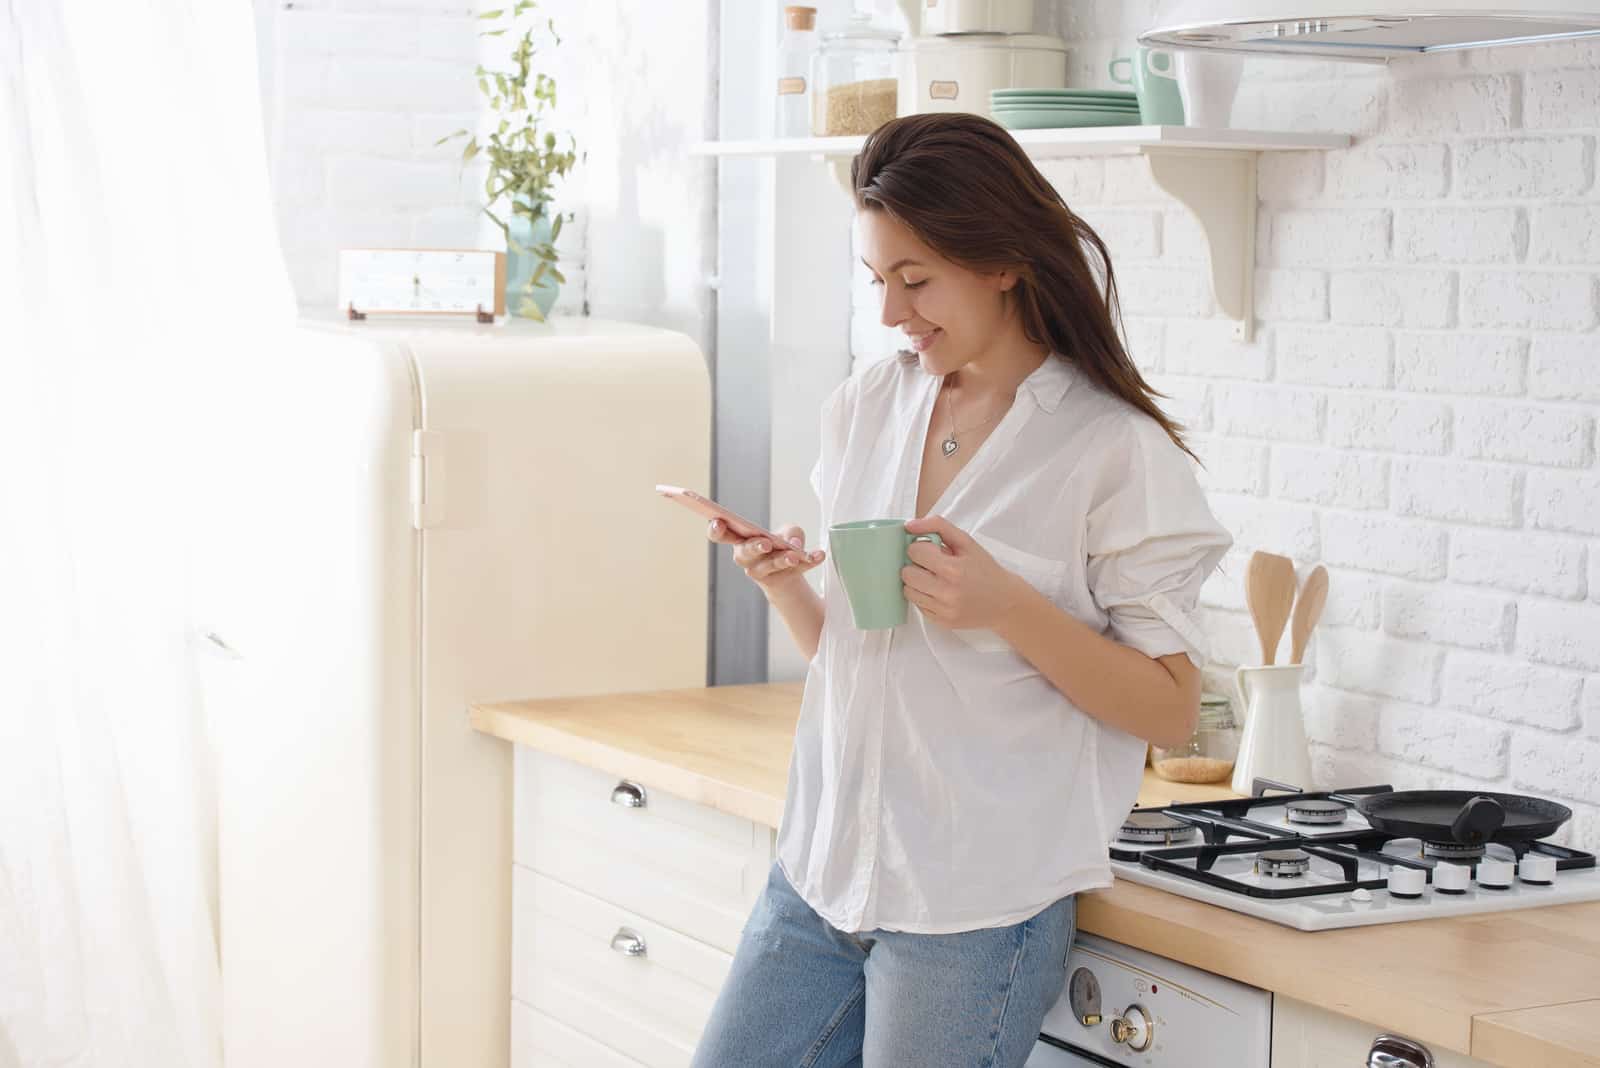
(140, 284)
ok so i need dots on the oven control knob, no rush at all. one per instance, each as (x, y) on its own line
(1536, 869)
(1451, 878)
(1133, 1027)
(1407, 883)
(1495, 874)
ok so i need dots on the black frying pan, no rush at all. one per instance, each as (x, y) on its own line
(1462, 815)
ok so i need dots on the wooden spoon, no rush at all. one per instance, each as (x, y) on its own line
(1307, 610)
(1269, 594)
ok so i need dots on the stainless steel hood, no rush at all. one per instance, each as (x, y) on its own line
(1367, 29)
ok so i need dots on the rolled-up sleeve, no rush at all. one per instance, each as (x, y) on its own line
(1152, 543)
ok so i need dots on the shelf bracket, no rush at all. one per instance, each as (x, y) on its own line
(1219, 189)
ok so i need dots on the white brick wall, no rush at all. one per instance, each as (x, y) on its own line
(358, 91)
(1418, 410)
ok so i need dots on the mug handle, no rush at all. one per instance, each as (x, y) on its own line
(1155, 72)
(925, 537)
(1244, 691)
(1113, 69)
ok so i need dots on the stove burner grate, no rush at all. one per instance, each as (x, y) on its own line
(1283, 863)
(1156, 828)
(1320, 813)
(1452, 851)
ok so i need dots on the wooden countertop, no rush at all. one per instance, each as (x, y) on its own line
(1512, 988)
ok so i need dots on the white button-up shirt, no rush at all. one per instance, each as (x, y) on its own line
(939, 782)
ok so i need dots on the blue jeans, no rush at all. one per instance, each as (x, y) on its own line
(803, 994)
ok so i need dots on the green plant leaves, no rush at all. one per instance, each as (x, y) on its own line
(523, 160)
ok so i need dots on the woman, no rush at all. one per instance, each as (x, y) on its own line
(955, 780)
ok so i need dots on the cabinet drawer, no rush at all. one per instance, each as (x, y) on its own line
(1309, 1036)
(537, 1041)
(651, 1007)
(689, 867)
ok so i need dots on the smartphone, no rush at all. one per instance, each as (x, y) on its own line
(710, 509)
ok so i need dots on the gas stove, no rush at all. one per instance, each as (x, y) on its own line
(1313, 861)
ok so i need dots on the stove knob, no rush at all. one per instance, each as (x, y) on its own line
(1451, 878)
(1134, 1028)
(1407, 882)
(1495, 874)
(1536, 869)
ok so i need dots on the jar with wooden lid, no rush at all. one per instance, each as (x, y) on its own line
(1208, 755)
(795, 53)
(854, 85)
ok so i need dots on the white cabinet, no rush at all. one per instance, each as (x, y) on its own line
(1305, 1036)
(540, 1039)
(628, 905)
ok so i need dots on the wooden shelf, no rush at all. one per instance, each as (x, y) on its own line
(1211, 172)
(1060, 144)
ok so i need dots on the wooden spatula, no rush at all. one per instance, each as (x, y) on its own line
(1269, 594)
(1307, 610)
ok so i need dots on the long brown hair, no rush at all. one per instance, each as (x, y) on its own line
(968, 190)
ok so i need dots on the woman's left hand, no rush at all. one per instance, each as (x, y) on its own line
(961, 585)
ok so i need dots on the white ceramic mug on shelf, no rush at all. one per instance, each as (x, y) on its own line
(1208, 82)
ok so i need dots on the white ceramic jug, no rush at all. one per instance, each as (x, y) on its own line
(1274, 742)
(1208, 82)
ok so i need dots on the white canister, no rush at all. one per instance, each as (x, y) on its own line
(977, 16)
(957, 73)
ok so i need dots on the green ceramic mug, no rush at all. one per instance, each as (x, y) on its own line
(867, 557)
(1154, 78)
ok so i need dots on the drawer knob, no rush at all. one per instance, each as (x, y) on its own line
(628, 795)
(627, 943)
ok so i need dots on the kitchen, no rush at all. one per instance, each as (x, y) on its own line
(1409, 401)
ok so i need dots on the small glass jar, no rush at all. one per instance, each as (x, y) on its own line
(1209, 753)
(795, 52)
(854, 86)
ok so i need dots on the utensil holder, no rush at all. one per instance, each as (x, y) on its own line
(1274, 742)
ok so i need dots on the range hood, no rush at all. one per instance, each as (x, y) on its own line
(1369, 30)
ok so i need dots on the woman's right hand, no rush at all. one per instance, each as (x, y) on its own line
(772, 567)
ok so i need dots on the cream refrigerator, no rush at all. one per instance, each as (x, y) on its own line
(413, 518)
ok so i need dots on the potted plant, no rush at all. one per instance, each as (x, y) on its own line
(524, 163)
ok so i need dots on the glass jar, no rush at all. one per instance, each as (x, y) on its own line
(795, 52)
(1209, 753)
(854, 88)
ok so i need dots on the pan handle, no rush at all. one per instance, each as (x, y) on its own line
(1477, 821)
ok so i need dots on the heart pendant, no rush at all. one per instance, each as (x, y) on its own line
(949, 446)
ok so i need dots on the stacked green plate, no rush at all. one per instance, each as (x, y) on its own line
(1042, 109)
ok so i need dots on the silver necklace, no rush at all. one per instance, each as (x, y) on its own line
(950, 444)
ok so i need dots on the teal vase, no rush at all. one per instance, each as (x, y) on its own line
(525, 235)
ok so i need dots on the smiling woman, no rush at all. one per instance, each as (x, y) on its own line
(954, 779)
(961, 188)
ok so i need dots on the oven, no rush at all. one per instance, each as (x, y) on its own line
(1124, 1006)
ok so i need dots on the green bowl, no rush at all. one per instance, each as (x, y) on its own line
(1062, 119)
(1063, 104)
(1075, 109)
(1061, 94)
